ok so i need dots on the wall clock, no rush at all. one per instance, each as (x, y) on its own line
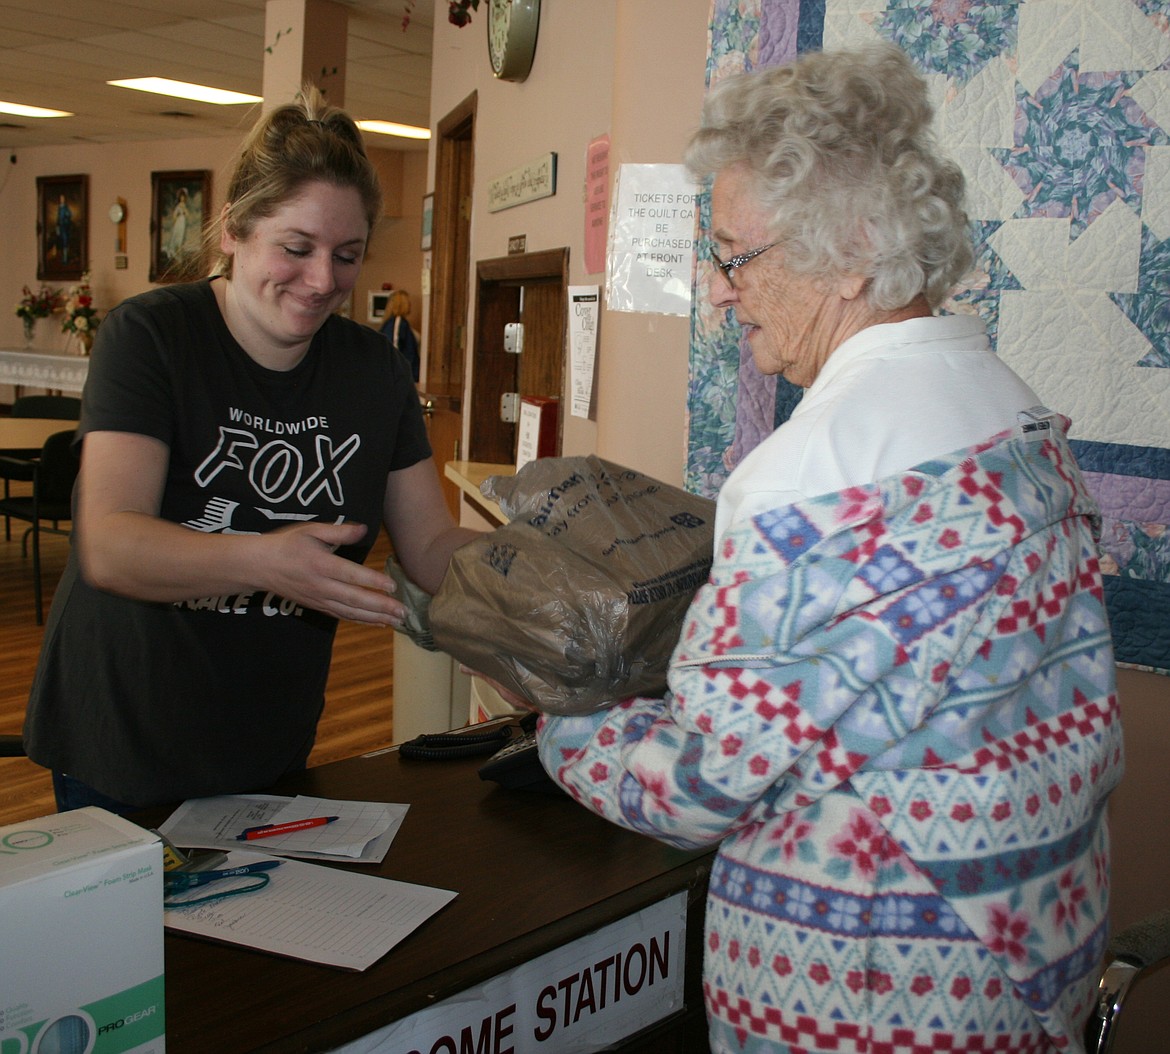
(512, 26)
(117, 216)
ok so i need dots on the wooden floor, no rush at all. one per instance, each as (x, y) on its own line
(357, 714)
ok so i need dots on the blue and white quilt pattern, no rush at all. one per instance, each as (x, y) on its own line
(1058, 112)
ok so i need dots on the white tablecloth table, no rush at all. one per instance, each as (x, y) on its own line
(43, 369)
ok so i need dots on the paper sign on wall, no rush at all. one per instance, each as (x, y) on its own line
(584, 303)
(651, 242)
(596, 203)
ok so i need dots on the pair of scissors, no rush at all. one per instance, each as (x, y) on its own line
(177, 883)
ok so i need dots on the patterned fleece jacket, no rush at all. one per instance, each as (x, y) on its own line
(893, 708)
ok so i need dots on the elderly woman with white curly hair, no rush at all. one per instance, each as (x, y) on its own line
(892, 706)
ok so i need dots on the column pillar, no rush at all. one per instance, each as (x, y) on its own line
(304, 41)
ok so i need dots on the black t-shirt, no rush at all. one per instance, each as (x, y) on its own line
(153, 703)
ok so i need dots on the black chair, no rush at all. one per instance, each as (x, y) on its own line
(52, 476)
(56, 407)
(11, 745)
(1135, 951)
(59, 407)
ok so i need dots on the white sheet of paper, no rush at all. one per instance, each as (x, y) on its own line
(650, 257)
(584, 304)
(362, 832)
(320, 914)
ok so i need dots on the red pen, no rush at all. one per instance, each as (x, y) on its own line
(268, 830)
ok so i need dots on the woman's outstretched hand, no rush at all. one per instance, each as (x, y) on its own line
(304, 568)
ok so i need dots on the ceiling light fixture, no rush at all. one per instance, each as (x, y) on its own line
(20, 110)
(183, 90)
(403, 131)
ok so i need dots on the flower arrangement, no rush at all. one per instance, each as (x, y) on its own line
(80, 318)
(40, 304)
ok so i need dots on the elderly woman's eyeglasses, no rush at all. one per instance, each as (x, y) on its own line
(729, 267)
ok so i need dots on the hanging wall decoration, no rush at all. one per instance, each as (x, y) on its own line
(178, 206)
(1062, 130)
(62, 227)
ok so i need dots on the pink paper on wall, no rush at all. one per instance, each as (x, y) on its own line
(596, 203)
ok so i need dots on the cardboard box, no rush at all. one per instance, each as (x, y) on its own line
(81, 941)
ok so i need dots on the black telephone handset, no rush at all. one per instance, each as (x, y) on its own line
(516, 765)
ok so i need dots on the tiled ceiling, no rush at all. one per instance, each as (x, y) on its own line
(60, 53)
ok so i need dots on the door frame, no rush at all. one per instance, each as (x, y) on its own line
(446, 350)
(451, 251)
(500, 283)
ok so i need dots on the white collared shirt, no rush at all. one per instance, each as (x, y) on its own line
(888, 398)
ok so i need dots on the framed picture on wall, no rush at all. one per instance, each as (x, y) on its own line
(62, 227)
(428, 219)
(178, 205)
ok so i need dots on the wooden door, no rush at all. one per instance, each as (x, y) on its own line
(445, 432)
(530, 288)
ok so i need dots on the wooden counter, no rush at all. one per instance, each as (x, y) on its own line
(468, 476)
(533, 872)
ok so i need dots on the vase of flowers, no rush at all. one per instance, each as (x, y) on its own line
(33, 305)
(80, 319)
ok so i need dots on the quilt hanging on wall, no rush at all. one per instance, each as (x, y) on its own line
(1058, 112)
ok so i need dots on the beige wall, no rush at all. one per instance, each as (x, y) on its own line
(123, 170)
(602, 67)
(115, 170)
(1139, 812)
(395, 254)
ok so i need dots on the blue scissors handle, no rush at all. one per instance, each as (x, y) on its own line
(178, 881)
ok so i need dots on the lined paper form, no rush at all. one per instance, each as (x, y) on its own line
(320, 914)
(363, 831)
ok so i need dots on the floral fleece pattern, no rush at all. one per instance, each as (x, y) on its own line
(894, 710)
